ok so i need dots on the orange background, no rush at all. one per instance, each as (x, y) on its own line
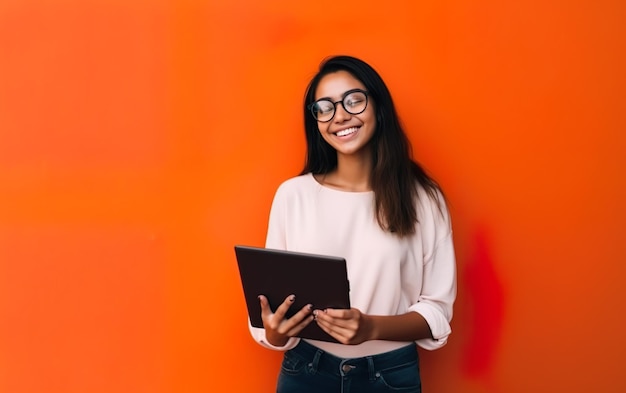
(140, 140)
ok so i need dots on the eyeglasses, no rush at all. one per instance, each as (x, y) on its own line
(354, 102)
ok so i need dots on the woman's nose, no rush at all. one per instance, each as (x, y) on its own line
(341, 114)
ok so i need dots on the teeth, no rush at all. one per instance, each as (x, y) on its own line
(347, 131)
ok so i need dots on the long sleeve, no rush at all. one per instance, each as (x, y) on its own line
(275, 239)
(438, 294)
(438, 289)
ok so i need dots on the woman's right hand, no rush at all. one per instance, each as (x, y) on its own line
(279, 329)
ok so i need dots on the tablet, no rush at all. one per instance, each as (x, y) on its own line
(319, 280)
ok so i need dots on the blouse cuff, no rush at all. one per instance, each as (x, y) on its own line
(439, 326)
(259, 336)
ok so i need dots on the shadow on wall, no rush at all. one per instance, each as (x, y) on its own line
(485, 296)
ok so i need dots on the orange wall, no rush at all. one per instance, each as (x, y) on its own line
(140, 140)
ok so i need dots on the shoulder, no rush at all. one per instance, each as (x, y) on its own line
(302, 184)
(432, 206)
(297, 183)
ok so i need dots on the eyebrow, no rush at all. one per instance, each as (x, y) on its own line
(345, 93)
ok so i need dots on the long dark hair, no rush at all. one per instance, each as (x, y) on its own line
(395, 176)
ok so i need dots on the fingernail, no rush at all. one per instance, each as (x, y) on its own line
(292, 298)
(310, 307)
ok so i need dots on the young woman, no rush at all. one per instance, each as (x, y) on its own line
(361, 196)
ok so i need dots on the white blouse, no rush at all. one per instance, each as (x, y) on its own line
(388, 275)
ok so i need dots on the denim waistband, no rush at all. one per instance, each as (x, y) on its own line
(324, 361)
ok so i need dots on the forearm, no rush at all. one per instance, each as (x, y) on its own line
(406, 327)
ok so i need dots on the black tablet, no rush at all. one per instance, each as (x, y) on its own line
(315, 279)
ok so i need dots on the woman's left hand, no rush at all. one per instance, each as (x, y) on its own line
(346, 326)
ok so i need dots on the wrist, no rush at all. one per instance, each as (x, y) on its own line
(371, 322)
(277, 340)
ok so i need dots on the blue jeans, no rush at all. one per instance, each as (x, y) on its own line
(308, 369)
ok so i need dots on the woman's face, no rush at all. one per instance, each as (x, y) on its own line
(347, 133)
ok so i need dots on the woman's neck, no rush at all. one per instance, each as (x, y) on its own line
(352, 173)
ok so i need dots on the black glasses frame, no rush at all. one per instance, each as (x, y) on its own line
(311, 106)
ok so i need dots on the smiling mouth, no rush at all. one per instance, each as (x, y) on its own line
(347, 131)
